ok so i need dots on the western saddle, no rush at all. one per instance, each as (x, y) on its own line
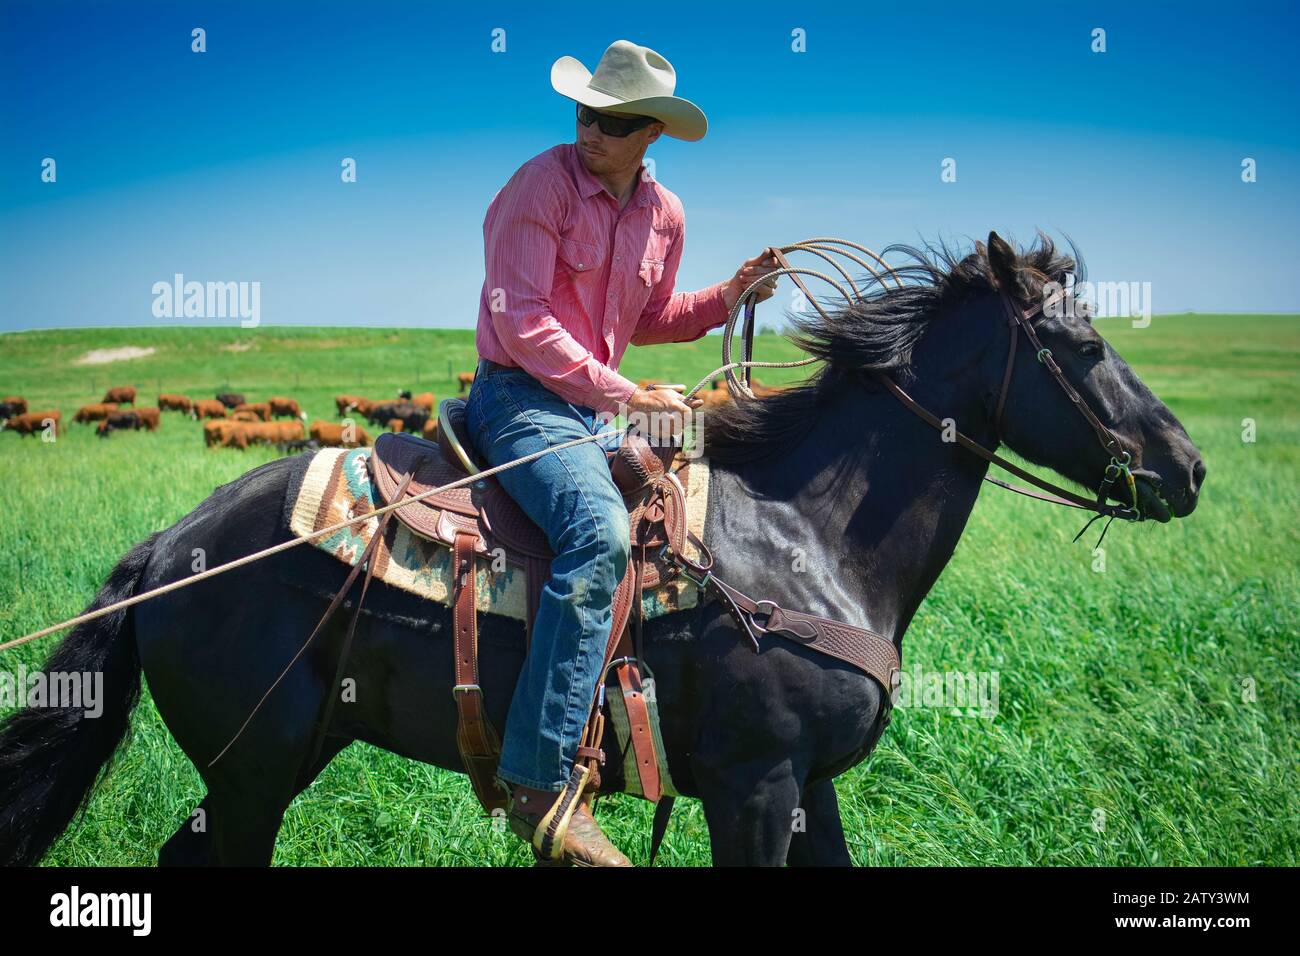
(482, 520)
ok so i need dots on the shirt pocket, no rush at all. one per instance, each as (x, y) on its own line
(580, 258)
(652, 270)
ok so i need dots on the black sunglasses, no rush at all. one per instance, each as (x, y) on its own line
(613, 125)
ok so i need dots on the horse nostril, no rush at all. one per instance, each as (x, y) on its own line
(1198, 474)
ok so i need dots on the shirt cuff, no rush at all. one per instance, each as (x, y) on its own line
(612, 391)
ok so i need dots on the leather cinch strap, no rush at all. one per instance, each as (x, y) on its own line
(869, 652)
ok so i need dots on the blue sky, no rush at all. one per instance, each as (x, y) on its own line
(224, 165)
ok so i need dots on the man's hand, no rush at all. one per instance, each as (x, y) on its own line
(751, 271)
(665, 411)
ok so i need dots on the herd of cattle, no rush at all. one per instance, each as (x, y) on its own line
(231, 422)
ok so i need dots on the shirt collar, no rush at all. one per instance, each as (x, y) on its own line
(646, 192)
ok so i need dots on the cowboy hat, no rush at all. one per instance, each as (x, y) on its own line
(631, 79)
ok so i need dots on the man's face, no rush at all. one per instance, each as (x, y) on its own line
(603, 154)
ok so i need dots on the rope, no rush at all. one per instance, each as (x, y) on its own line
(293, 543)
(740, 388)
(818, 246)
(734, 365)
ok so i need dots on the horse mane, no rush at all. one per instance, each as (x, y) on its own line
(877, 333)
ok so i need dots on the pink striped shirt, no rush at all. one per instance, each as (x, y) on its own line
(571, 279)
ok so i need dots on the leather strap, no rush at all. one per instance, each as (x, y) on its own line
(594, 730)
(476, 738)
(638, 716)
(634, 702)
(863, 648)
(1062, 496)
(1020, 318)
(1013, 340)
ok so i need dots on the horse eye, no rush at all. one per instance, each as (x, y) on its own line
(1090, 349)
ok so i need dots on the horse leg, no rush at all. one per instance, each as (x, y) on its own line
(750, 814)
(820, 842)
(191, 844)
(244, 825)
(227, 828)
(246, 819)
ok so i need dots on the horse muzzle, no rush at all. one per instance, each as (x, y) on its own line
(1162, 498)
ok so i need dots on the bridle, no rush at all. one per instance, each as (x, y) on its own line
(1018, 321)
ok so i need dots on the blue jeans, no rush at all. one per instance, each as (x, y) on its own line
(571, 497)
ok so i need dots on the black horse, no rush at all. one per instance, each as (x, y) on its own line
(836, 468)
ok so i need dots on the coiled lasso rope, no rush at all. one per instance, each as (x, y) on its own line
(747, 301)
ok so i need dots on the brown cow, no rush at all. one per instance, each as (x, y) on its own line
(465, 380)
(237, 437)
(331, 435)
(30, 423)
(261, 409)
(242, 434)
(345, 403)
(208, 408)
(430, 430)
(122, 394)
(175, 403)
(713, 397)
(12, 405)
(284, 406)
(424, 400)
(214, 432)
(245, 416)
(150, 418)
(272, 433)
(94, 413)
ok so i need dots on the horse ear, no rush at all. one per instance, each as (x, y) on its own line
(1003, 266)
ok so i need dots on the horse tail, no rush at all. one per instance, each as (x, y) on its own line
(51, 757)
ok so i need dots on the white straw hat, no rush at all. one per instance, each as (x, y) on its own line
(631, 79)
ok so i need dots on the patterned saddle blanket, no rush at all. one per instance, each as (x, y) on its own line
(337, 487)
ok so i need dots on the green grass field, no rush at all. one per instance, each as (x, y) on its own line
(1147, 714)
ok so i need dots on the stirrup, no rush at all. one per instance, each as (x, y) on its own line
(553, 827)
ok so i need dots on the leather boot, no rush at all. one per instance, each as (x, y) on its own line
(560, 827)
